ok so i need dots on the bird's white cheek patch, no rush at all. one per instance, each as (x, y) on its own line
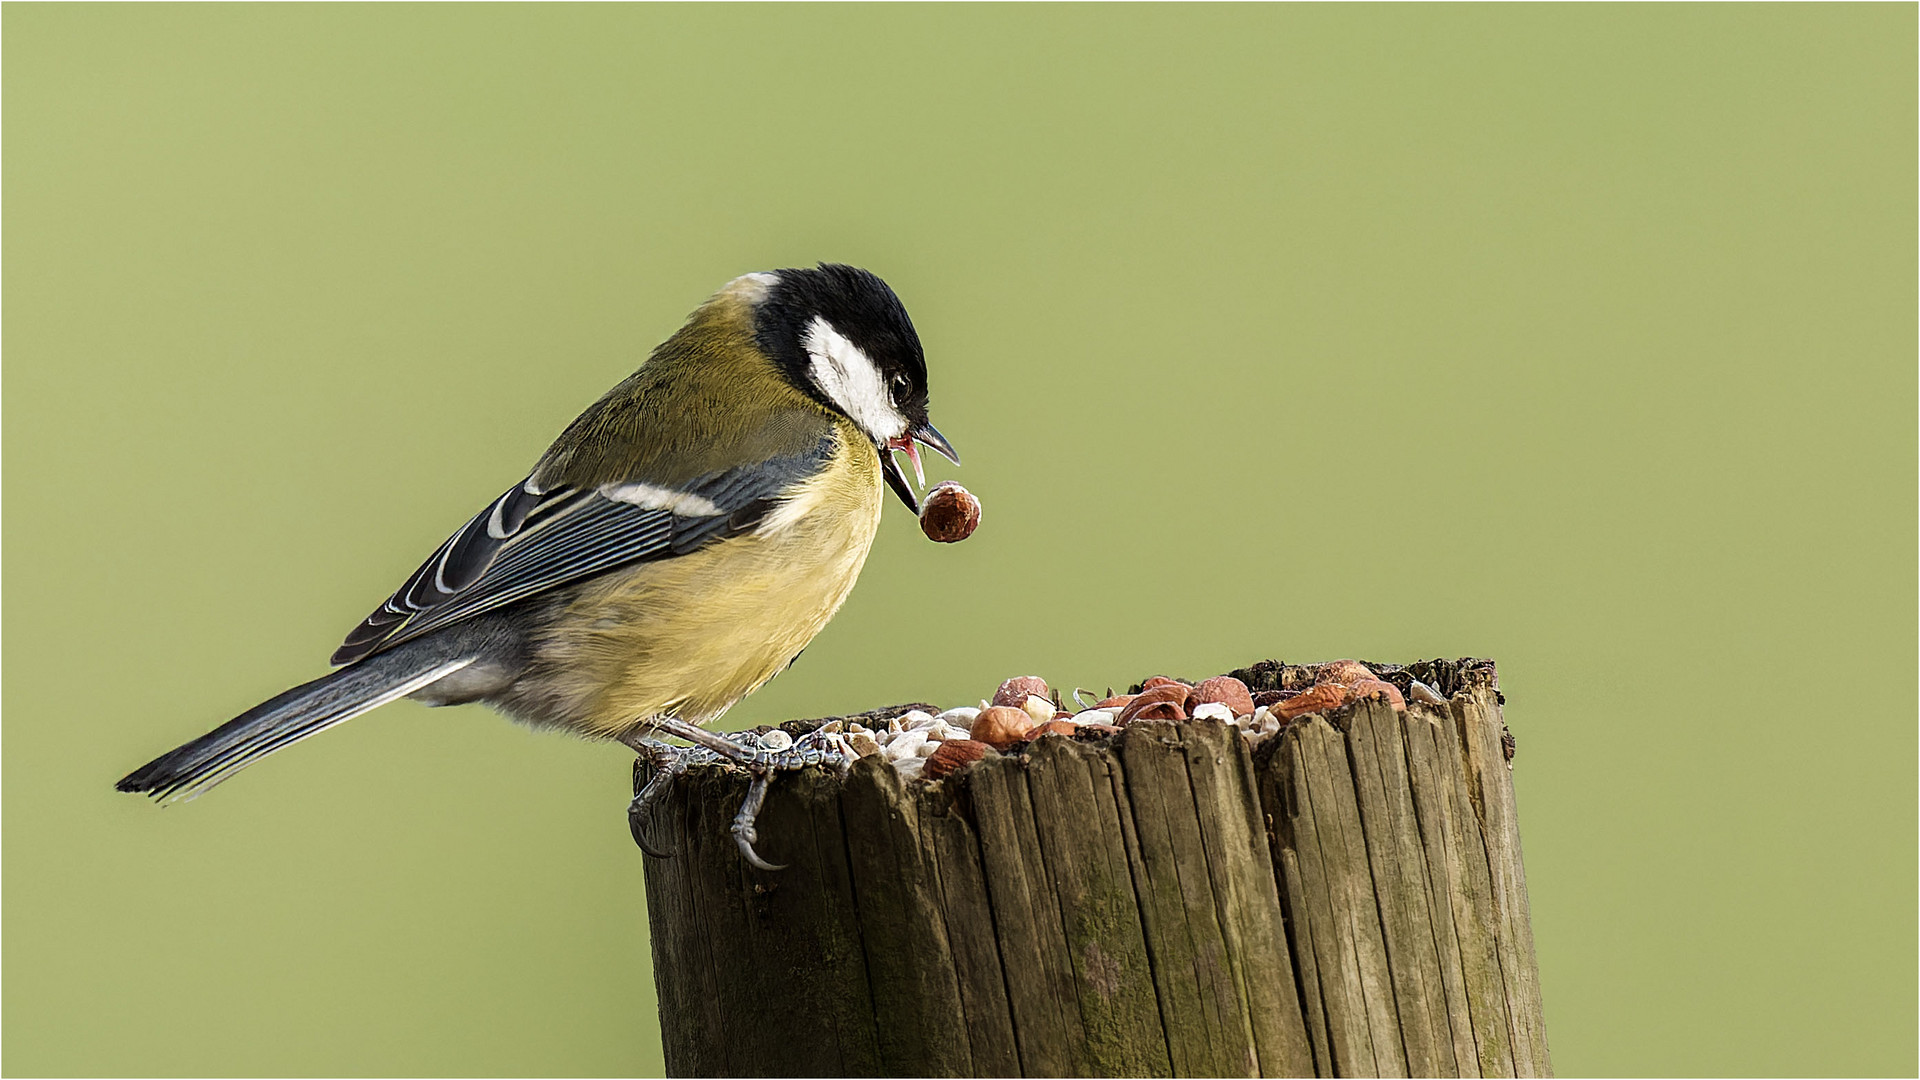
(651, 497)
(850, 380)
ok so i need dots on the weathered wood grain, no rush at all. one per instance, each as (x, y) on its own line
(1226, 807)
(1433, 810)
(1478, 714)
(1357, 954)
(1399, 869)
(1203, 1032)
(801, 921)
(1078, 823)
(1473, 910)
(684, 971)
(909, 958)
(1301, 948)
(1346, 899)
(952, 849)
(1040, 989)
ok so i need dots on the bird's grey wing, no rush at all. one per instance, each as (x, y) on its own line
(530, 540)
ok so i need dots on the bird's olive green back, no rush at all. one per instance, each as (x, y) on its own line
(708, 399)
(1580, 336)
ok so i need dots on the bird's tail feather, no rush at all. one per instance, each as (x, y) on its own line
(187, 771)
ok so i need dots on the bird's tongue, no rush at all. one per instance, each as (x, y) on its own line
(905, 442)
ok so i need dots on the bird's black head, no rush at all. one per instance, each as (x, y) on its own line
(842, 336)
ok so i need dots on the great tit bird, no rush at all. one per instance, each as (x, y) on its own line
(677, 546)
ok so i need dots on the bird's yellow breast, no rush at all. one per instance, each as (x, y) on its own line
(690, 636)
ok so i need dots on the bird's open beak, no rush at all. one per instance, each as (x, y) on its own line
(915, 437)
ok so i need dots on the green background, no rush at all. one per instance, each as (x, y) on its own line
(1579, 337)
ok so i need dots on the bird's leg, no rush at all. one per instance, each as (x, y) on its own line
(700, 736)
(667, 764)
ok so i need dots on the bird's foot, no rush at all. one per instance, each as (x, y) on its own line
(666, 763)
(761, 754)
(744, 834)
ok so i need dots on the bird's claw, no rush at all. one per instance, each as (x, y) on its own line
(757, 754)
(637, 824)
(667, 764)
(744, 834)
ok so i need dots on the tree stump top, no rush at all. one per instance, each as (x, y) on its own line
(1344, 897)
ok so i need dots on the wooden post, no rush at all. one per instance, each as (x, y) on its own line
(1346, 898)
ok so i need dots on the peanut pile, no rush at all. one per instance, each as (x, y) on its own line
(1024, 708)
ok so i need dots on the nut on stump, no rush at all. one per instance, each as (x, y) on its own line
(1017, 690)
(1001, 726)
(1226, 690)
(954, 755)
